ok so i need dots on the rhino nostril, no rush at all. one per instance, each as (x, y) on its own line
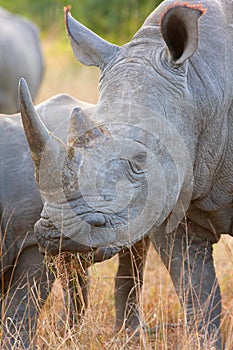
(96, 219)
(108, 197)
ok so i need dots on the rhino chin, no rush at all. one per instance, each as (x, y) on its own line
(56, 246)
(53, 242)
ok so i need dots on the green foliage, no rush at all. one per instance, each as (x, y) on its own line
(116, 20)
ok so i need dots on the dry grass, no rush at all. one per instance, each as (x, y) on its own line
(224, 265)
(159, 305)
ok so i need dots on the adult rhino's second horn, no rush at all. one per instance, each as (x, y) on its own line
(83, 130)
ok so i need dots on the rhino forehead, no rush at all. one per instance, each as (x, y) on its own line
(142, 73)
(133, 57)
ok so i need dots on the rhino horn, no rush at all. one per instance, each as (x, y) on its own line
(88, 48)
(36, 132)
(82, 130)
(47, 151)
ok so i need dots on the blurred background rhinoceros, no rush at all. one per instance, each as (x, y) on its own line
(20, 55)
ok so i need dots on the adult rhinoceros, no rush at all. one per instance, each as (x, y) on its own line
(24, 276)
(163, 151)
(20, 56)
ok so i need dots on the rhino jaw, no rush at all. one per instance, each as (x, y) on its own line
(54, 241)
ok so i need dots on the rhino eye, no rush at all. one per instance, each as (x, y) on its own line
(140, 159)
(138, 162)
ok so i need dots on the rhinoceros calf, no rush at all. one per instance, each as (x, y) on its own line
(157, 160)
(20, 206)
(24, 275)
(21, 56)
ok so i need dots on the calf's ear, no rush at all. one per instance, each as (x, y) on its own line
(88, 47)
(180, 30)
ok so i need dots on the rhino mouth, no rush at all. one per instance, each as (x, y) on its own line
(60, 227)
(54, 243)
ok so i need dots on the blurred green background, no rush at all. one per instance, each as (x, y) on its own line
(116, 20)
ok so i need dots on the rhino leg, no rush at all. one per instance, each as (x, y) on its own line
(128, 285)
(27, 289)
(188, 258)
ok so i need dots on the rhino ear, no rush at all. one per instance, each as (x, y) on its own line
(88, 47)
(179, 26)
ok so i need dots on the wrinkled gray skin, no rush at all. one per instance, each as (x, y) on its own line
(21, 56)
(165, 107)
(21, 263)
